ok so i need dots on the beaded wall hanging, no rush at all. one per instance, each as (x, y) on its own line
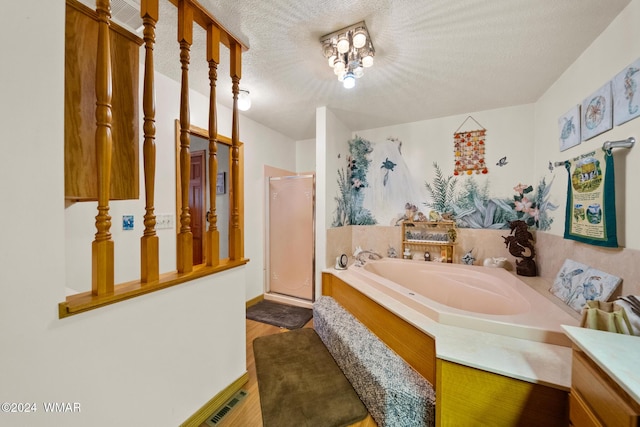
(469, 148)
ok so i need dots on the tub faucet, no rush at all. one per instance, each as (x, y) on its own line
(361, 255)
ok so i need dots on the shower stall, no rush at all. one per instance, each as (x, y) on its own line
(290, 240)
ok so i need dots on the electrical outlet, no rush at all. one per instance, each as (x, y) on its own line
(164, 221)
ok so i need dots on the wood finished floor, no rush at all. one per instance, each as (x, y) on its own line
(247, 412)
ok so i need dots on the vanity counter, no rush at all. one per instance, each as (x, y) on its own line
(616, 354)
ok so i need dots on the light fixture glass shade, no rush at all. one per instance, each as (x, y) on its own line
(359, 38)
(349, 80)
(343, 43)
(327, 48)
(339, 65)
(332, 60)
(367, 60)
(358, 72)
(244, 102)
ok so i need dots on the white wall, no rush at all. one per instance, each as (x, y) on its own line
(332, 137)
(152, 360)
(612, 51)
(306, 156)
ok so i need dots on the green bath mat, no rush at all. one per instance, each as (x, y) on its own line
(301, 385)
(282, 315)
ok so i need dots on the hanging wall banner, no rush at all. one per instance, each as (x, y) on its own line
(469, 148)
(591, 200)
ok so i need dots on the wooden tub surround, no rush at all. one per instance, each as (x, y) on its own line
(479, 378)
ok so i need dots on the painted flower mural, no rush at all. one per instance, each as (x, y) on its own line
(533, 207)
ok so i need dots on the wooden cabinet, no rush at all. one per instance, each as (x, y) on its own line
(595, 399)
(435, 237)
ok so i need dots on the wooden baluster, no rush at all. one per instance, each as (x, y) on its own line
(102, 276)
(149, 246)
(235, 233)
(185, 237)
(213, 235)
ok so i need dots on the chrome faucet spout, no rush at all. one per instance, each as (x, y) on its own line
(362, 256)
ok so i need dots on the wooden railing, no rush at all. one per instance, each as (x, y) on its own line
(103, 289)
(102, 247)
(149, 243)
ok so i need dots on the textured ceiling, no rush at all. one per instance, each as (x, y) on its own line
(434, 58)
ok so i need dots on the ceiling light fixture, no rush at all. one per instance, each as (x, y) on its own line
(244, 102)
(349, 51)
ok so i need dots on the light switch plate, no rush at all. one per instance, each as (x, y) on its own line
(164, 221)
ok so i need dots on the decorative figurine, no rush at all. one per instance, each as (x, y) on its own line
(427, 256)
(410, 211)
(495, 262)
(453, 234)
(391, 252)
(407, 253)
(519, 245)
(468, 258)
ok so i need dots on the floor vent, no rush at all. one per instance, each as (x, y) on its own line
(218, 416)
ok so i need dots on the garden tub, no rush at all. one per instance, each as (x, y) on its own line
(473, 297)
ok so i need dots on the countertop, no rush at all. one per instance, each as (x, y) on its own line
(617, 354)
(530, 361)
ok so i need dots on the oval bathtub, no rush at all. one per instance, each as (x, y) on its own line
(472, 297)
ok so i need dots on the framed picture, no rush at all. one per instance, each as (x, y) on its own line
(626, 94)
(569, 128)
(577, 283)
(221, 183)
(597, 114)
(127, 222)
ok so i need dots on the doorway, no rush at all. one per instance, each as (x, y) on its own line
(199, 191)
(197, 197)
(290, 257)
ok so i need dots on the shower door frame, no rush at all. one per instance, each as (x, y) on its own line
(267, 250)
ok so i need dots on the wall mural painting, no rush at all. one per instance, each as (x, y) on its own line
(473, 207)
(352, 181)
(393, 193)
(377, 187)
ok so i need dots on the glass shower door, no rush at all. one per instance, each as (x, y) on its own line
(290, 239)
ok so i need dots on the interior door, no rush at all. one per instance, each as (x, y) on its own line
(197, 188)
(291, 236)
